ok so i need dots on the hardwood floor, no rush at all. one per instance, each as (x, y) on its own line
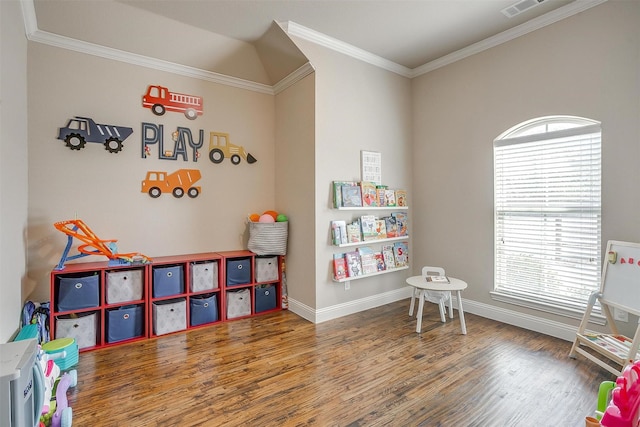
(367, 369)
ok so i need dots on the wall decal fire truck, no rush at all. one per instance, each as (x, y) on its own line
(160, 99)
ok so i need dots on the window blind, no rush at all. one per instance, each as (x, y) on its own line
(548, 217)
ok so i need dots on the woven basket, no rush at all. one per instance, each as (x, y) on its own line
(268, 238)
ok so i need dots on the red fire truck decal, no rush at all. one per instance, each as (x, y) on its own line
(159, 99)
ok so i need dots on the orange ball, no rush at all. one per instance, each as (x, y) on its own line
(254, 217)
(274, 214)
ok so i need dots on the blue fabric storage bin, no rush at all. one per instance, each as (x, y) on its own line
(124, 323)
(167, 281)
(238, 271)
(203, 309)
(76, 293)
(266, 298)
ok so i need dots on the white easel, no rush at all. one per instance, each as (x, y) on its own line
(620, 288)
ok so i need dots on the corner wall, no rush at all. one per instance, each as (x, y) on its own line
(295, 175)
(357, 107)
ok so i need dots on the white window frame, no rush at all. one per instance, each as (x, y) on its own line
(519, 285)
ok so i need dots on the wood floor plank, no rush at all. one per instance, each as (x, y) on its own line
(367, 369)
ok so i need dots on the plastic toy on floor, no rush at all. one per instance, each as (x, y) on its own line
(63, 416)
(624, 408)
(55, 411)
(51, 373)
(78, 229)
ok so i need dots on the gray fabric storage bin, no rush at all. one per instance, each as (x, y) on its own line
(123, 286)
(238, 303)
(266, 269)
(169, 316)
(268, 238)
(82, 328)
(204, 276)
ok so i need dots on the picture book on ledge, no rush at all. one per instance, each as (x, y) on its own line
(351, 196)
(366, 194)
(369, 196)
(401, 253)
(402, 222)
(368, 260)
(339, 266)
(388, 257)
(339, 232)
(354, 234)
(354, 265)
(368, 223)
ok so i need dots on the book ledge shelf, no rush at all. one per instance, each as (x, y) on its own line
(369, 242)
(372, 208)
(364, 276)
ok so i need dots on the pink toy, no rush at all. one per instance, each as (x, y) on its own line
(266, 218)
(624, 409)
(63, 416)
(51, 373)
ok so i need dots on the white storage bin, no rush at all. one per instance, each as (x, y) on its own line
(266, 269)
(124, 286)
(169, 316)
(82, 328)
(204, 276)
(238, 303)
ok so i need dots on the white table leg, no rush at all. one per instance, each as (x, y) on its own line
(461, 312)
(413, 298)
(420, 308)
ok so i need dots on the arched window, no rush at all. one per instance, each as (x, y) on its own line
(547, 188)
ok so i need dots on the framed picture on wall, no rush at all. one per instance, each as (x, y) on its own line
(371, 166)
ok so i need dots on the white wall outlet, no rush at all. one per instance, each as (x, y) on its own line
(620, 315)
(347, 285)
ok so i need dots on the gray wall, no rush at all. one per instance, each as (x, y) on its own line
(13, 165)
(588, 66)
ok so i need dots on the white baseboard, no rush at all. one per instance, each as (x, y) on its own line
(511, 317)
(344, 309)
(521, 320)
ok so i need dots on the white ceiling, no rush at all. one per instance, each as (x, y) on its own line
(239, 42)
(407, 32)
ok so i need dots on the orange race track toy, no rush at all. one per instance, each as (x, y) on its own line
(78, 229)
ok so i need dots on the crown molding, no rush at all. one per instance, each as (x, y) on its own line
(291, 28)
(34, 34)
(293, 78)
(542, 21)
(556, 15)
(144, 61)
(321, 39)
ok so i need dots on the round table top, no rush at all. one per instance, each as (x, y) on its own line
(421, 282)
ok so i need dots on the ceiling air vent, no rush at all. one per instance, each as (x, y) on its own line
(521, 6)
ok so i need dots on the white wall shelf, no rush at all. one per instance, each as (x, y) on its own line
(364, 276)
(372, 242)
(373, 208)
